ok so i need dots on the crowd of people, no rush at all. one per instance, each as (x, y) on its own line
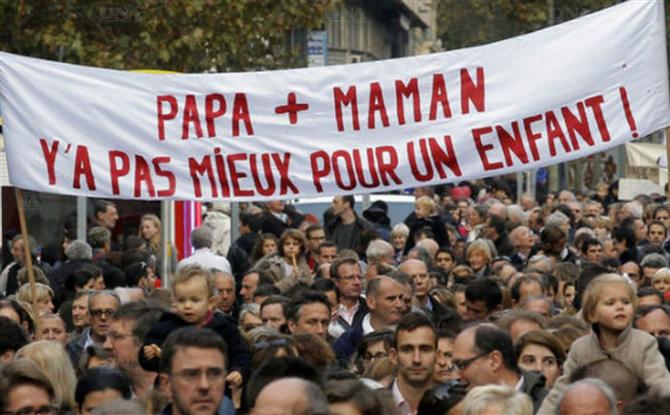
(472, 305)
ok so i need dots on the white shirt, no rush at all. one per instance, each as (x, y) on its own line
(207, 259)
(400, 402)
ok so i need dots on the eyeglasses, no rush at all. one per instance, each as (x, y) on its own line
(370, 356)
(29, 410)
(213, 374)
(461, 365)
(100, 312)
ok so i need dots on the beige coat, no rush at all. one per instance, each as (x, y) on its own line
(635, 349)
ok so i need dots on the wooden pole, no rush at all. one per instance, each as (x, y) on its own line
(26, 248)
(667, 159)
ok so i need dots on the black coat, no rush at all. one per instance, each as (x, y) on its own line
(435, 223)
(239, 358)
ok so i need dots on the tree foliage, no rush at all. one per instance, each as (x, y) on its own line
(475, 22)
(179, 35)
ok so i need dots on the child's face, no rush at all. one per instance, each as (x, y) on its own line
(192, 300)
(269, 247)
(421, 211)
(662, 284)
(614, 310)
(291, 248)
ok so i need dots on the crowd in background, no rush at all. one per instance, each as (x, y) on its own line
(473, 304)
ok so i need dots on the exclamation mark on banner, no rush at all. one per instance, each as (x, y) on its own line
(629, 114)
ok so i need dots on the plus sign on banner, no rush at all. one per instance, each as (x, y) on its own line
(551, 96)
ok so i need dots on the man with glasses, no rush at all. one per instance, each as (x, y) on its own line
(24, 390)
(351, 308)
(484, 355)
(193, 369)
(125, 337)
(101, 307)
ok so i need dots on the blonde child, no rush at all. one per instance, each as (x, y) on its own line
(193, 304)
(426, 215)
(661, 280)
(609, 305)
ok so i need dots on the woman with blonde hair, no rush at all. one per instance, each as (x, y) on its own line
(150, 231)
(54, 362)
(43, 293)
(479, 255)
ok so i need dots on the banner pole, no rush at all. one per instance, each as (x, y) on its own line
(26, 248)
(667, 159)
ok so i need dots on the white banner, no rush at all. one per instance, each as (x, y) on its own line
(558, 94)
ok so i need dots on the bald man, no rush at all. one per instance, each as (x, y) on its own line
(587, 397)
(290, 396)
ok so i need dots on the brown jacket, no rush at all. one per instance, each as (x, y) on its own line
(635, 349)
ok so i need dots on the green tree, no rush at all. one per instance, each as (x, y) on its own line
(463, 24)
(178, 35)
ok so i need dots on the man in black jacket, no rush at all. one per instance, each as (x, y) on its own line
(345, 226)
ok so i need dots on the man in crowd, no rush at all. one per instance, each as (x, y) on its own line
(275, 310)
(351, 308)
(315, 235)
(202, 240)
(127, 328)
(345, 226)
(654, 319)
(418, 272)
(310, 313)
(413, 350)
(484, 355)
(100, 239)
(24, 389)
(101, 307)
(225, 288)
(193, 368)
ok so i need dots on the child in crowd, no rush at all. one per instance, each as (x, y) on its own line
(289, 266)
(426, 215)
(609, 305)
(661, 280)
(194, 301)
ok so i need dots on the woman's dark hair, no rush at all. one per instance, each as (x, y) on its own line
(99, 379)
(135, 272)
(24, 316)
(257, 252)
(83, 274)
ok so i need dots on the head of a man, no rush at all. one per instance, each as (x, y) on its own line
(100, 385)
(342, 205)
(315, 235)
(101, 307)
(249, 285)
(654, 319)
(52, 327)
(384, 297)
(327, 252)
(413, 350)
(193, 366)
(588, 396)
(656, 233)
(25, 389)
(484, 355)
(225, 286)
(310, 313)
(592, 250)
(202, 237)
(105, 213)
(482, 297)
(290, 396)
(418, 271)
(127, 329)
(346, 273)
(274, 312)
(12, 338)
